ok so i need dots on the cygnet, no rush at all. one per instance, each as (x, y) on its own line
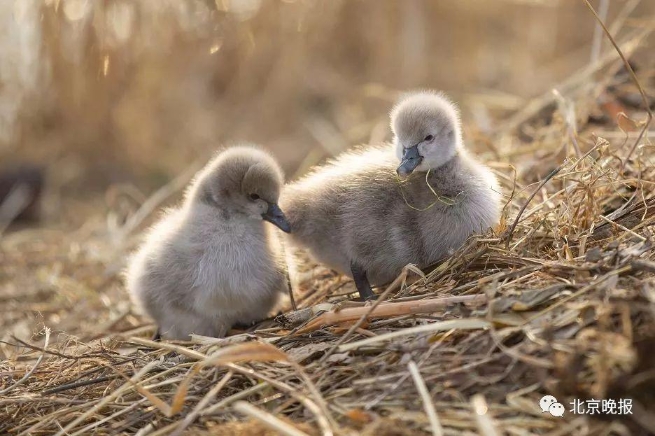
(213, 262)
(371, 211)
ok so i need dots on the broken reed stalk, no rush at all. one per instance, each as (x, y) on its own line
(635, 80)
(31, 371)
(510, 232)
(397, 282)
(387, 310)
(428, 404)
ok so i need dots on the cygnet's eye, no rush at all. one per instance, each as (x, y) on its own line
(254, 197)
(429, 138)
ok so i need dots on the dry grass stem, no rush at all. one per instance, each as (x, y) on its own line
(269, 420)
(428, 405)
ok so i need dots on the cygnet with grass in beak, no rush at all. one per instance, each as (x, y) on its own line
(370, 212)
(214, 261)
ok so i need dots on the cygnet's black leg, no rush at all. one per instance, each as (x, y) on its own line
(361, 282)
(157, 336)
(243, 325)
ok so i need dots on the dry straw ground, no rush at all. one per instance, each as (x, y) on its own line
(559, 299)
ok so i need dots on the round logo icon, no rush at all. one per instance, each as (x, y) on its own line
(546, 402)
(556, 409)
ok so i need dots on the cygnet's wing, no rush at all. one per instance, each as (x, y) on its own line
(156, 270)
(314, 204)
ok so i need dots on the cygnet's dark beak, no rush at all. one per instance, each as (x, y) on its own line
(275, 216)
(411, 159)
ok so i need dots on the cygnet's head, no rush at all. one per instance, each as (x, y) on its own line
(427, 131)
(243, 180)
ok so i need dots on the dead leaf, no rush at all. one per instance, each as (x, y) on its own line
(300, 354)
(340, 358)
(626, 124)
(359, 416)
(527, 299)
(248, 352)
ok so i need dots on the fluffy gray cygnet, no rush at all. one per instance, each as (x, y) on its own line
(356, 215)
(213, 262)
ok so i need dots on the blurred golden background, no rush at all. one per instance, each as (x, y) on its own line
(111, 105)
(114, 91)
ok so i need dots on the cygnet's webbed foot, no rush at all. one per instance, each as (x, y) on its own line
(157, 336)
(361, 282)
